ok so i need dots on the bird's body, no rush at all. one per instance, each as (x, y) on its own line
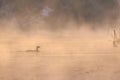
(36, 50)
(31, 51)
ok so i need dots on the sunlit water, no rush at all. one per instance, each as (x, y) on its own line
(60, 58)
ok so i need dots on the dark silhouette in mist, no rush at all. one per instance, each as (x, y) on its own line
(36, 50)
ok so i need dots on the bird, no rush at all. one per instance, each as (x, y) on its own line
(36, 50)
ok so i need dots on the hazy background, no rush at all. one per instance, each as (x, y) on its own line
(28, 22)
(75, 38)
(57, 14)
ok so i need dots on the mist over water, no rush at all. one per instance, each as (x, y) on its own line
(75, 39)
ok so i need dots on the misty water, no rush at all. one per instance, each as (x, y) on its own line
(61, 57)
(75, 39)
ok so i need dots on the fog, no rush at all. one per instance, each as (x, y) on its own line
(57, 14)
(75, 39)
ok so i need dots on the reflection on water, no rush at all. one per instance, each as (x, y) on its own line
(31, 66)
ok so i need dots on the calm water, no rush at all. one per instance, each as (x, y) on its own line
(32, 66)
